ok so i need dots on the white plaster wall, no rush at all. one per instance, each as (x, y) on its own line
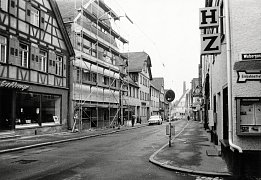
(218, 80)
(245, 38)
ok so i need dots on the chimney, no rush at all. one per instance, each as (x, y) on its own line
(184, 87)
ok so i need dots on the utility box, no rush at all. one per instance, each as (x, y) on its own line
(172, 130)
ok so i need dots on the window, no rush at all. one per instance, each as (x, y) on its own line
(50, 109)
(86, 75)
(2, 49)
(58, 65)
(248, 116)
(3, 5)
(23, 55)
(43, 60)
(33, 108)
(34, 17)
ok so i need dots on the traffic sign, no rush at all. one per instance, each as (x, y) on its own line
(170, 95)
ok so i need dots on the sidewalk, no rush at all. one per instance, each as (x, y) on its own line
(26, 142)
(191, 151)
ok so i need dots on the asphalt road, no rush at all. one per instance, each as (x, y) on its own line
(123, 155)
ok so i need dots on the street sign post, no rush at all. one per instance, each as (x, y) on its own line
(170, 96)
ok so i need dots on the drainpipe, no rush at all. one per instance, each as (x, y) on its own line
(229, 80)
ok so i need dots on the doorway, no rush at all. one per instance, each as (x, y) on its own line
(5, 109)
(225, 113)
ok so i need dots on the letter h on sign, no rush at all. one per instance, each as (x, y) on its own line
(208, 17)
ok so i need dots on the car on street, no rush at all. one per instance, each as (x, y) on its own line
(156, 119)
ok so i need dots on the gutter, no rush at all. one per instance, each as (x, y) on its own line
(229, 80)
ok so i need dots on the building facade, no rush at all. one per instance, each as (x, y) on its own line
(139, 69)
(231, 83)
(154, 99)
(159, 84)
(96, 88)
(34, 67)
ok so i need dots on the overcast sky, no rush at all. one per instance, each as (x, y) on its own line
(168, 30)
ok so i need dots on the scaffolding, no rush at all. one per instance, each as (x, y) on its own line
(92, 32)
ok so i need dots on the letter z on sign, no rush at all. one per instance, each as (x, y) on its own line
(210, 44)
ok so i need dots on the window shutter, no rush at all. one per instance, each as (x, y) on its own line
(32, 60)
(28, 12)
(42, 19)
(52, 57)
(64, 66)
(13, 7)
(14, 44)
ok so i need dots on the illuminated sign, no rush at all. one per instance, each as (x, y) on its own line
(13, 85)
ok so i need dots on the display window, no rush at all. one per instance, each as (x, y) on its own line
(248, 116)
(37, 109)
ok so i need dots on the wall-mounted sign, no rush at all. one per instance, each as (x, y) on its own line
(251, 56)
(248, 116)
(210, 44)
(13, 85)
(208, 17)
(243, 76)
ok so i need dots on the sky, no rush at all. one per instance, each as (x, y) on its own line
(168, 30)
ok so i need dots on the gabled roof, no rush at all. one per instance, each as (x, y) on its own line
(158, 82)
(136, 61)
(69, 7)
(62, 28)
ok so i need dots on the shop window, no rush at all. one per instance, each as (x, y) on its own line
(3, 49)
(51, 107)
(248, 116)
(23, 54)
(37, 109)
(28, 108)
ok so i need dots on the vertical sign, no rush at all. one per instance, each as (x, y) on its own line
(210, 44)
(208, 17)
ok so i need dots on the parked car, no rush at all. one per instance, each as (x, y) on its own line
(156, 119)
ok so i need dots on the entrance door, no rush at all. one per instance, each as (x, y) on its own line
(5, 109)
(225, 113)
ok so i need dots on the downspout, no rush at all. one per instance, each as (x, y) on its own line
(229, 80)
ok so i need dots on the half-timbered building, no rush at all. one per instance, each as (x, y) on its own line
(35, 51)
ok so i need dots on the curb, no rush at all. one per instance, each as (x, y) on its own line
(67, 140)
(152, 160)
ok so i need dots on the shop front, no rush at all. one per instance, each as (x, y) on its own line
(31, 109)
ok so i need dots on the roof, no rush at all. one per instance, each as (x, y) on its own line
(136, 61)
(62, 28)
(130, 81)
(158, 82)
(68, 7)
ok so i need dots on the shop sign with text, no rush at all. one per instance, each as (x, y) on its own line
(244, 76)
(13, 85)
(251, 56)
